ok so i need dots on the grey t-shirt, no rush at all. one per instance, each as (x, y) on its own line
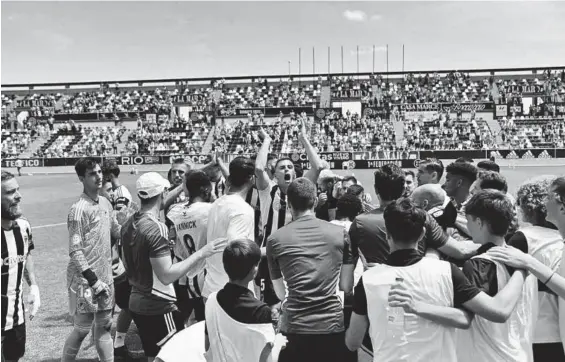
(309, 253)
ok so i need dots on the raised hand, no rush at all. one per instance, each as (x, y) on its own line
(262, 134)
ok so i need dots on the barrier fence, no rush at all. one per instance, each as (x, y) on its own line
(337, 160)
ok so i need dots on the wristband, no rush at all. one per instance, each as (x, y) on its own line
(548, 279)
(90, 277)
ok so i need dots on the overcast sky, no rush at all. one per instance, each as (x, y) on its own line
(63, 41)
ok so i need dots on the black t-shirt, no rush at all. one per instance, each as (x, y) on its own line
(242, 306)
(322, 212)
(482, 272)
(368, 235)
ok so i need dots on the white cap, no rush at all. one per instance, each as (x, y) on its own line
(151, 184)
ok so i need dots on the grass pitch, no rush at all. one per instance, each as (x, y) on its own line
(46, 201)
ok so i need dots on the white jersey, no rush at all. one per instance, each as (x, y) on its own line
(487, 341)
(16, 245)
(546, 245)
(232, 341)
(420, 340)
(188, 229)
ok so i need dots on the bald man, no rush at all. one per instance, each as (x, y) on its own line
(432, 198)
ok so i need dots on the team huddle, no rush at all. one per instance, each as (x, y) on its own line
(259, 260)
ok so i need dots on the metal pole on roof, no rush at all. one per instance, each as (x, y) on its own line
(387, 62)
(373, 58)
(328, 61)
(357, 61)
(313, 61)
(402, 57)
(342, 58)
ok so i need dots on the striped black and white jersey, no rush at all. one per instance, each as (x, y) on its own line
(17, 242)
(121, 198)
(219, 188)
(275, 211)
(252, 198)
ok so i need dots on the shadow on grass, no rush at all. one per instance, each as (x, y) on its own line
(57, 318)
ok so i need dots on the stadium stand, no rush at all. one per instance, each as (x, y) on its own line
(541, 127)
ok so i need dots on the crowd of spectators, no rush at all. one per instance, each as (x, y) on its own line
(444, 133)
(15, 142)
(155, 101)
(226, 97)
(527, 132)
(169, 136)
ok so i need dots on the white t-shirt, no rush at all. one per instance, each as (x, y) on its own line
(232, 218)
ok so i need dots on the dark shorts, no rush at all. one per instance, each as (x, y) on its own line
(187, 305)
(156, 330)
(314, 348)
(544, 352)
(122, 290)
(14, 343)
(263, 280)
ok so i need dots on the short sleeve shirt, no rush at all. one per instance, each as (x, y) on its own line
(143, 238)
(368, 235)
(308, 253)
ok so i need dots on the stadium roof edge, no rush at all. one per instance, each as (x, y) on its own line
(295, 76)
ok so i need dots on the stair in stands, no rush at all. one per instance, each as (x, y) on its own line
(495, 129)
(125, 138)
(207, 147)
(34, 146)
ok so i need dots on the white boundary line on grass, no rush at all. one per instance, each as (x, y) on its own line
(49, 225)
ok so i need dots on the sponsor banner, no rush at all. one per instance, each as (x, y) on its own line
(455, 154)
(28, 162)
(272, 111)
(501, 110)
(69, 161)
(28, 103)
(136, 160)
(360, 164)
(188, 99)
(190, 159)
(526, 89)
(524, 154)
(517, 110)
(447, 107)
(346, 94)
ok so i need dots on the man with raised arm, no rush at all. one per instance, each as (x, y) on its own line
(275, 212)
